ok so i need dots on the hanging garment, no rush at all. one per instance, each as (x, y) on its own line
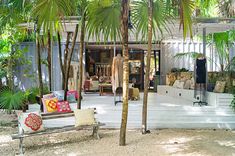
(201, 70)
(117, 72)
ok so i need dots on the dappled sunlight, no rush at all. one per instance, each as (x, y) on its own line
(169, 104)
(5, 138)
(226, 143)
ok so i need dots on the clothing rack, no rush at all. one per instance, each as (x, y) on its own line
(103, 69)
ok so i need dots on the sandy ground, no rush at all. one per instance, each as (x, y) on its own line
(157, 143)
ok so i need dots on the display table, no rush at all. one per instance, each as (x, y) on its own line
(104, 85)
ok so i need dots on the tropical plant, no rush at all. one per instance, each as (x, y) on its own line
(233, 101)
(12, 100)
(146, 82)
(33, 93)
(82, 11)
(222, 42)
(150, 18)
(103, 20)
(49, 15)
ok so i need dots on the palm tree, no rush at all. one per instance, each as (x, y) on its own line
(150, 18)
(50, 15)
(82, 9)
(146, 83)
(124, 31)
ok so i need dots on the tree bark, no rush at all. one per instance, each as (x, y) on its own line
(80, 58)
(39, 70)
(49, 58)
(146, 82)
(69, 58)
(66, 52)
(60, 57)
(124, 30)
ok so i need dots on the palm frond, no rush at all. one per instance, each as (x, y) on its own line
(10, 100)
(161, 17)
(104, 19)
(50, 14)
(186, 8)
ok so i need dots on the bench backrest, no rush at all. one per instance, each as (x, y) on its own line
(56, 115)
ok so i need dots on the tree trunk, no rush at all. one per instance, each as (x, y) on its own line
(66, 52)
(124, 29)
(60, 58)
(10, 73)
(69, 58)
(146, 82)
(80, 58)
(39, 70)
(49, 58)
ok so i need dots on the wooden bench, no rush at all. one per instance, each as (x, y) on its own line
(47, 116)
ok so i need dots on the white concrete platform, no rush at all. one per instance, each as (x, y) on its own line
(163, 112)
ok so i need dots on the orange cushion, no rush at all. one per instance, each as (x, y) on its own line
(51, 105)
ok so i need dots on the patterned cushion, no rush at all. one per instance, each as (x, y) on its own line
(84, 117)
(73, 92)
(187, 84)
(51, 105)
(63, 106)
(30, 122)
(59, 94)
(48, 96)
(170, 79)
(180, 85)
(192, 86)
(71, 98)
(176, 83)
(219, 86)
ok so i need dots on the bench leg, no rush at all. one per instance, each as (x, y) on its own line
(21, 152)
(95, 132)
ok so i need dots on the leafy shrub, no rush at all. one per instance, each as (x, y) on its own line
(34, 92)
(10, 100)
(233, 101)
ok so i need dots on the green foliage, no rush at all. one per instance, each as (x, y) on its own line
(34, 92)
(10, 100)
(208, 8)
(186, 8)
(49, 14)
(174, 70)
(233, 101)
(140, 18)
(222, 41)
(192, 55)
(103, 18)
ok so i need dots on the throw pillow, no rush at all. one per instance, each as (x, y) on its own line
(48, 96)
(59, 94)
(192, 86)
(180, 85)
(73, 92)
(84, 117)
(219, 86)
(71, 98)
(51, 105)
(30, 122)
(176, 83)
(187, 84)
(63, 106)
